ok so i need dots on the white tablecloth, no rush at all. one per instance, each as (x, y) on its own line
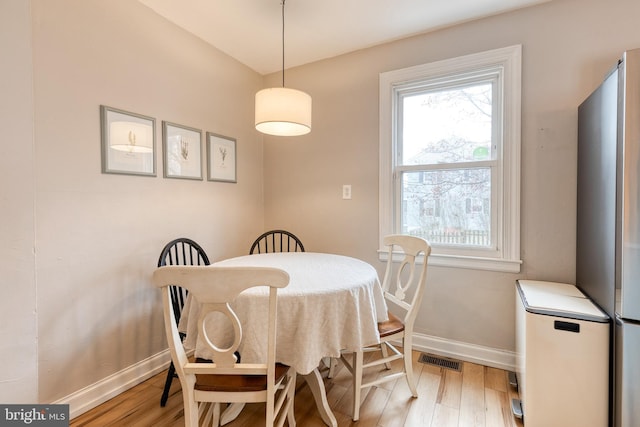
(332, 303)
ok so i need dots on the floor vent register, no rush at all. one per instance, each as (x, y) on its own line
(442, 362)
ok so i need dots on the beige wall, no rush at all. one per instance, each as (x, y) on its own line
(98, 236)
(79, 246)
(568, 46)
(18, 321)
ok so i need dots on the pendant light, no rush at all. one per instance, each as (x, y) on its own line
(282, 111)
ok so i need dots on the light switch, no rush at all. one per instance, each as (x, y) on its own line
(346, 191)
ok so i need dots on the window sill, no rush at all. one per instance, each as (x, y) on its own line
(454, 261)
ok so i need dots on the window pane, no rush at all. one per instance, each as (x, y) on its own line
(448, 206)
(447, 126)
(436, 118)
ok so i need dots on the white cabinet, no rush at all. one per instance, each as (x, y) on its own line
(562, 356)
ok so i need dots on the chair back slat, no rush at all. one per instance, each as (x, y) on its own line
(276, 241)
(407, 277)
(181, 251)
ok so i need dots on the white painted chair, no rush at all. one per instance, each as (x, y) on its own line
(205, 385)
(180, 251)
(403, 286)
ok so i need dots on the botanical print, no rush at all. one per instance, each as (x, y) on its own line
(182, 152)
(128, 142)
(222, 158)
(184, 149)
(223, 154)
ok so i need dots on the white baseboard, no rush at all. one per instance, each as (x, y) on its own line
(91, 396)
(487, 356)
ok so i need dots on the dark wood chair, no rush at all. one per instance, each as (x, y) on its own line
(276, 241)
(181, 251)
(284, 241)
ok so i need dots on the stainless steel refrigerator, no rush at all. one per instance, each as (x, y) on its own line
(608, 223)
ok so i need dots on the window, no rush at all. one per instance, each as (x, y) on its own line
(450, 158)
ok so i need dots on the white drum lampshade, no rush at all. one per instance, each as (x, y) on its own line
(283, 112)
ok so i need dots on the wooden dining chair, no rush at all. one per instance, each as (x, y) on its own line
(180, 251)
(285, 241)
(276, 241)
(206, 385)
(400, 281)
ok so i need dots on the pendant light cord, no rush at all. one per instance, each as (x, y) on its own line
(283, 42)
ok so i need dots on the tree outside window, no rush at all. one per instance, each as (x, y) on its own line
(444, 132)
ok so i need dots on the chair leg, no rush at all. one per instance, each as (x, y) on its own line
(333, 365)
(385, 354)
(231, 412)
(215, 419)
(408, 365)
(358, 357)
(191, 410)
(209, 413)
(167, 384)
(292, 391)
(270, 418)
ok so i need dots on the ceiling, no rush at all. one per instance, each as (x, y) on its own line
(251, 30)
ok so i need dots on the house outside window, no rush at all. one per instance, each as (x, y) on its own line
(450, 158)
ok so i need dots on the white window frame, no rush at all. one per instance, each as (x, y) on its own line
(506, 190)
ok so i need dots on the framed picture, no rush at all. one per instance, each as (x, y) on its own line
(182, 151)
(221, 158)
(128, 142)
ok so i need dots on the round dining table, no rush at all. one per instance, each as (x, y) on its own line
(332, 303)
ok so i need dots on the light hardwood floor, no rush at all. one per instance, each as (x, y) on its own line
(479, 396)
